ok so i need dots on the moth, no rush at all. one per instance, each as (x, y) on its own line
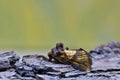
(78, 58)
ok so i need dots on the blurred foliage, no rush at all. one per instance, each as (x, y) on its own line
(39, 24)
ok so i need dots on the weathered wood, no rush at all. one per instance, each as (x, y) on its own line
(7, 60)
(106, 66)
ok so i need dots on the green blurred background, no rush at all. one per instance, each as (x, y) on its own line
(39, 24)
